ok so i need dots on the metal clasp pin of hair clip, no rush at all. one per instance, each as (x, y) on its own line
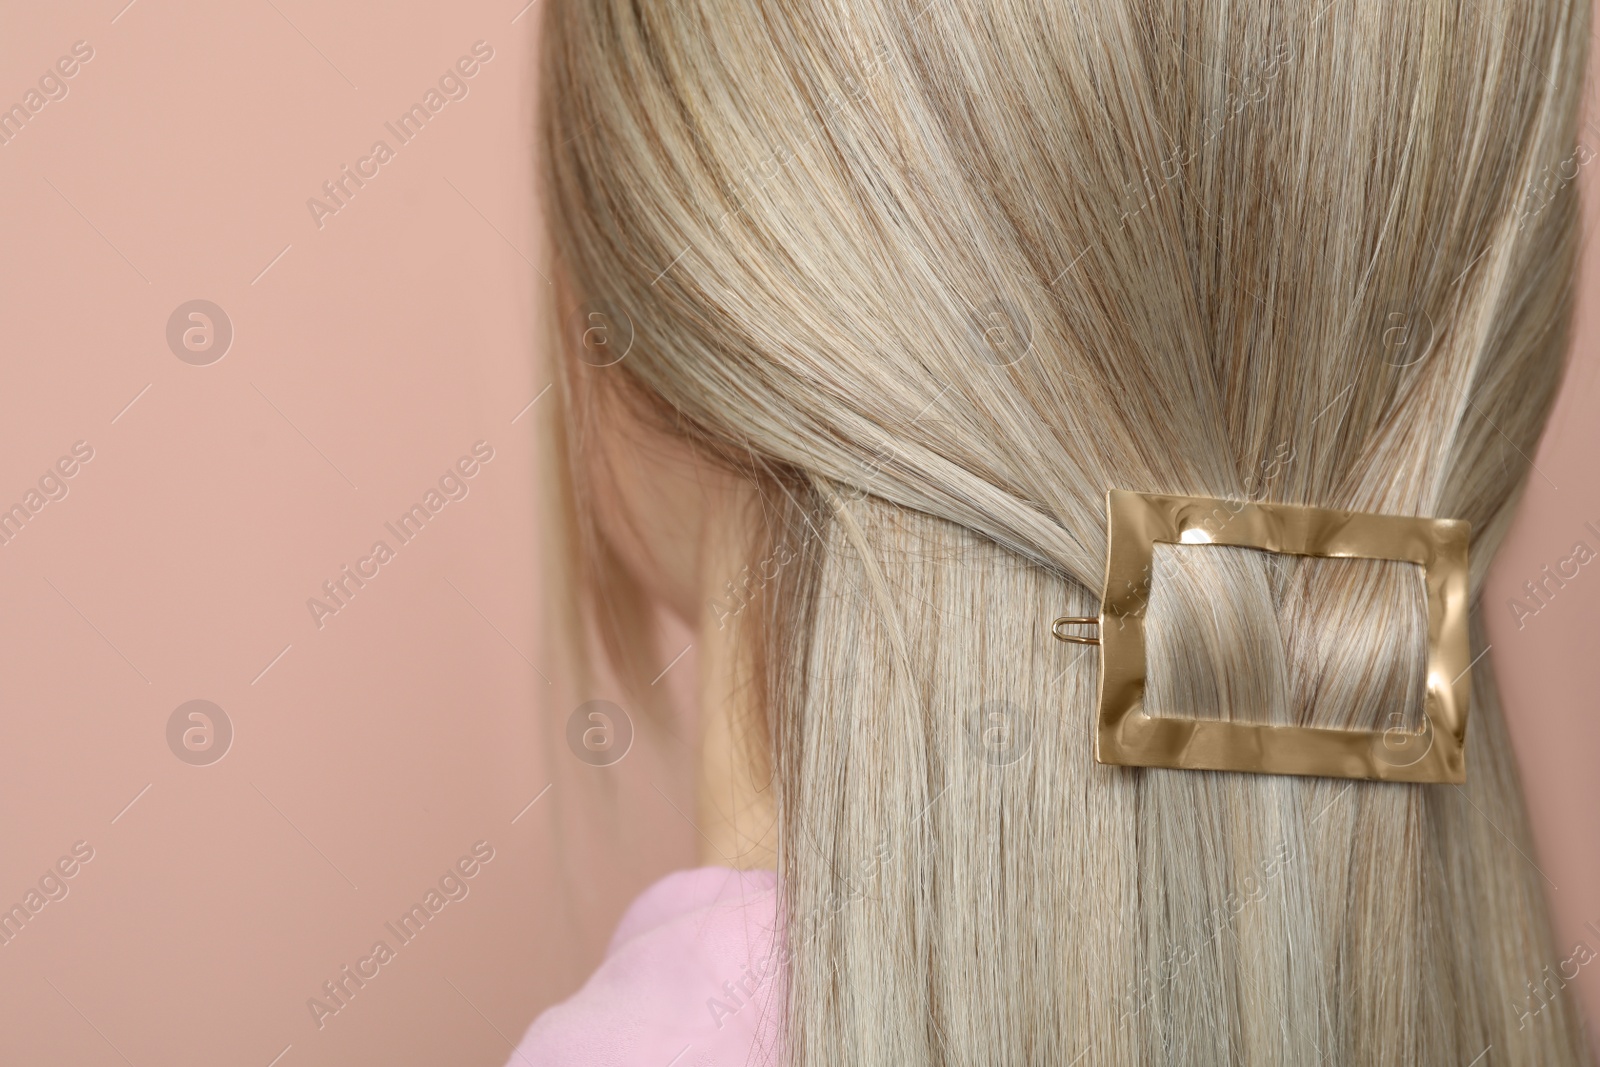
(1075, 620)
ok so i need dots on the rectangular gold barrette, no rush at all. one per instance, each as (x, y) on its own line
(1125, 736)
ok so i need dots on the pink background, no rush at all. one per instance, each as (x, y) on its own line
(369, 754)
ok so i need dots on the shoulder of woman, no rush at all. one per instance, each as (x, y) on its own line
(691, 971)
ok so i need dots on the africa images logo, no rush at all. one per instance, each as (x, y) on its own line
(453, 886)
(452, 85)
(453, 485)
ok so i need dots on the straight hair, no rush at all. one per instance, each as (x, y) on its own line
(936, 276)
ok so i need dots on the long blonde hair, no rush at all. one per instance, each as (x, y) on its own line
(937, 275)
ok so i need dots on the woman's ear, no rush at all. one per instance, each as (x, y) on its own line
(665, 508)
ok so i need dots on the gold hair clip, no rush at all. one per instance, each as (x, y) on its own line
(1125, 736)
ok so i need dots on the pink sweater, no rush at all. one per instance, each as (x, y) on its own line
(692, 978)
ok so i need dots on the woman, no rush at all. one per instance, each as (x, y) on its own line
(889, 294)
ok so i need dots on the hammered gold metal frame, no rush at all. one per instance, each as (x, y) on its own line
(1124, 735)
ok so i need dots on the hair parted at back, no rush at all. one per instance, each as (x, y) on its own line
(938, 274)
